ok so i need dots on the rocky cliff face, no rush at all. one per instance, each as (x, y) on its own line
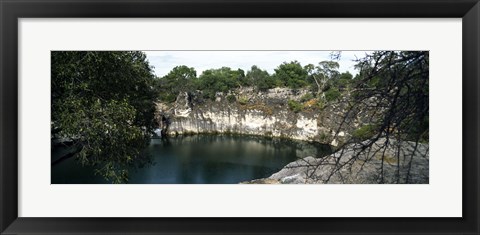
(246, 111)
(402, 162)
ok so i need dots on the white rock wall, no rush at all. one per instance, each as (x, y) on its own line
(253, 122)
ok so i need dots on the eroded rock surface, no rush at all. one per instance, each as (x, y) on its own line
(253, 113)
(402, 162)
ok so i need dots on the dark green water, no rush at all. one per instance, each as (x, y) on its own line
(201, 159)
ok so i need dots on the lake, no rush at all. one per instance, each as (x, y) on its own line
(201, 159)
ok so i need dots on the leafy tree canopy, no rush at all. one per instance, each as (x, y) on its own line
(103, 101)
(181, 73)
(220, 80)
(292, 75)
(180, 79)
(260, 79)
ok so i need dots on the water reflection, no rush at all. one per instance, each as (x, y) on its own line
(204, 159)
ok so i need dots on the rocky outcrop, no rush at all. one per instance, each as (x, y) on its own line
(245, 111)
(389, 162)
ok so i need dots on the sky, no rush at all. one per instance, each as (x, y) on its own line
(165, 61)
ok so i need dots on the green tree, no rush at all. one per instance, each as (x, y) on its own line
(179, 79)
(343, 81)
(329, 69)
(312, 76)
(220, 80)
(322, 75)
(103, 102)
(292, 75)
(182, 73)
(260, 78)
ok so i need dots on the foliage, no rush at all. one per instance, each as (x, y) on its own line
(243, 100)
(295, 106)
(167, 95)
(343, 81)
(104, 102)
(180, 79)
(323, 136)
(329, 69)
(320, 104)
(219, 80)
(365, 132)
(291, 75)
(231, 98)
(320, 77)
(260, 79)
(332, 94)
(306, 97)
(181, 73)
(212, 81)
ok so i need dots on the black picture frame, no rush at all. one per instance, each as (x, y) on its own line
(12, 10)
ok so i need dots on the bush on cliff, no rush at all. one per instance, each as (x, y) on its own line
(295, 106)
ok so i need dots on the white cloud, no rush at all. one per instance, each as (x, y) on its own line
(165, 61)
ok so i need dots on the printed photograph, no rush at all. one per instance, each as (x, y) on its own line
(239, 117)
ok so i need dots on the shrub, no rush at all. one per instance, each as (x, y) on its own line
(243, 100)
(167, 97)
(332, 94)
(231, 98)
(320, 104)
(306, 97)
(365, 132)
(323, 136)
(315, 103)
(295, 106)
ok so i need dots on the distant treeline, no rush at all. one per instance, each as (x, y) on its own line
(323, 77)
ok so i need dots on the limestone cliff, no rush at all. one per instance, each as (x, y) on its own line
(245, 111)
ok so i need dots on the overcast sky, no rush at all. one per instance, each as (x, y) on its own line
(165, 61)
